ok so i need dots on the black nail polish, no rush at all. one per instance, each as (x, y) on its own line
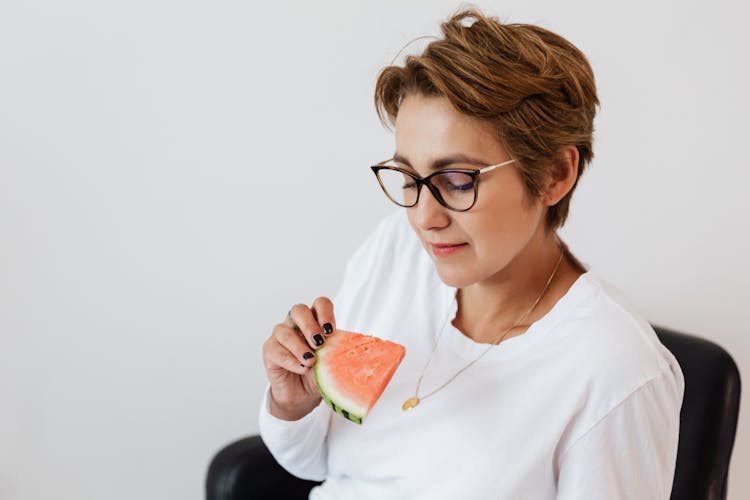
(307, 355)
(303, 366)
(318, 339)
(327, 328)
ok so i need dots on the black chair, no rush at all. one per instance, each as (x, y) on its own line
(708, 420)
(246, 470)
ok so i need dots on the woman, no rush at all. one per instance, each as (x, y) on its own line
(526, 375)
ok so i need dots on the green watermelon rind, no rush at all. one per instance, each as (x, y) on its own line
(338, 409)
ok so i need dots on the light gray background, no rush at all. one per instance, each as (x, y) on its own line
(175, 174)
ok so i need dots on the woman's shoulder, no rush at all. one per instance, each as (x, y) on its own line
(619, 346)
(608, 354)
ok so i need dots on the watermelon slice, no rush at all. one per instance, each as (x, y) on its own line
(352, 371)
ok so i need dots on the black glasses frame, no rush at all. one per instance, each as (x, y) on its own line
(474, 173)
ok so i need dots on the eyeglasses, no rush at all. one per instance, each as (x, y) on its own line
(455, 189)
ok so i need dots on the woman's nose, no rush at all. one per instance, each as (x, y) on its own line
(428, 212)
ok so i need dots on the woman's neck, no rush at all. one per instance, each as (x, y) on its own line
(489, 308)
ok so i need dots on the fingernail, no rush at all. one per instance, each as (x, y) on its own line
(307, 355)
(327, 328)
(318, 339)
(303, 366)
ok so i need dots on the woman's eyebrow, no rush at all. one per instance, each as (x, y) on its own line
(443, 162)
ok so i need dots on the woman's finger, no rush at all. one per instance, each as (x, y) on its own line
(322, 309)
(303, 318)
(295, 343)
(275, 356)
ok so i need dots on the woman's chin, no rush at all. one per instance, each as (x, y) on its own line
(452, 276)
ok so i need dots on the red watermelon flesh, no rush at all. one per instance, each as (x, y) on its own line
(352, 370)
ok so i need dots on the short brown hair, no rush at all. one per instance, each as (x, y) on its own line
(533, 86)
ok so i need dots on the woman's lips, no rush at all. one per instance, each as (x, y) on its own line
(443, 250)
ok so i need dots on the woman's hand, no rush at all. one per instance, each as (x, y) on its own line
(289, 354)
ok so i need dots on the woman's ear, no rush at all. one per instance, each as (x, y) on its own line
(563, 175)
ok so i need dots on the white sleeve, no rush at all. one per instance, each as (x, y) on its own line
(299, 445)
(631, 452)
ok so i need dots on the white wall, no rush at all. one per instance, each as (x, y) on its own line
(175, 174)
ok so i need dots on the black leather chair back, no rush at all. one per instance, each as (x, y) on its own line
(246, 470)
(708, 420)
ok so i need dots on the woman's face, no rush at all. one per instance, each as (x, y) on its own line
(504, 219)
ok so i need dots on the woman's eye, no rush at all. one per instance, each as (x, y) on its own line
(455, 182)
(460, 187)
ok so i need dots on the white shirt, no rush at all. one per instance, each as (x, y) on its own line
(584, 405)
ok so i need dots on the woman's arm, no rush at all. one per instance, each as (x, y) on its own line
(631, 451)
(292, 423)
(297, 439)
(297, 445)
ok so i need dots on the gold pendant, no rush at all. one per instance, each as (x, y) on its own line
(410, 403)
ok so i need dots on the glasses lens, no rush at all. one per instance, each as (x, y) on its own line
(456, 188)
(399, 187)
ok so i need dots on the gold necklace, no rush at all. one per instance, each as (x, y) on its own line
(415, 400)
